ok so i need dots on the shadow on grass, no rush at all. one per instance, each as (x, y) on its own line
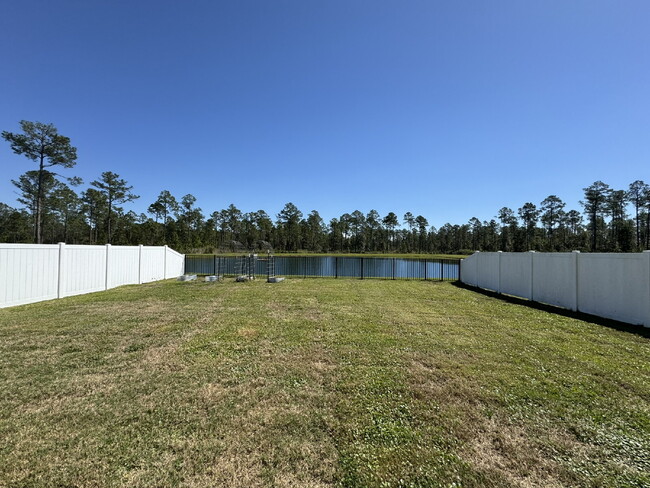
(585, 317)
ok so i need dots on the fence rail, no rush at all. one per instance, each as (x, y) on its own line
(332, 267)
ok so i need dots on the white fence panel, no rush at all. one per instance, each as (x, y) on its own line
(554, 279)
(174, 263)
(28, 273)
(612, 285)
(32, 273)
(488, 271)
(83, 269)
(516, 274)
(468, 268)
(615, 286)
(123, 266)
(152, 265)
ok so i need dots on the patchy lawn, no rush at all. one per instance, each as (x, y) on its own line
(317, 383)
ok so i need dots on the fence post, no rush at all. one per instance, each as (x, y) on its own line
(499, 282)
(61, 277)
(165, 263)
(576, 259)
(425, 270)
(442, 270)
(532, 275)
(647, 318)
(336, 267)
(107, 269)
(393, 268)
(140, 264)
(214, 264)
(361, 268)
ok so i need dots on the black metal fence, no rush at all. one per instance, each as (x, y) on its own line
(330, 267)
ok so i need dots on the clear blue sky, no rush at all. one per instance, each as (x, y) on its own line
(446, 109)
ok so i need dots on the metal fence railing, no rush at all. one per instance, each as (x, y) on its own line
(331, 267)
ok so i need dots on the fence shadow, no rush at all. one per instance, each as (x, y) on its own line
(639, 330)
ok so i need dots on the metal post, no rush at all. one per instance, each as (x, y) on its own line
(336, 267)
(442, 269)
(361, 268)
(214, 265)
(393, 268)
(425, 270)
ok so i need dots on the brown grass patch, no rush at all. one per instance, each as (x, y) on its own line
(277, 310)
(213, 392)
(504, 450)
(247, 332)
(507, 453)
(439, 379)
(161, 357)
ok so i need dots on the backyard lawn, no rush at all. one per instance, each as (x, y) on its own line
(317, 383)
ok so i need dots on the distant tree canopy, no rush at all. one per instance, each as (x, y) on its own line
(115, 191)
(50, 210)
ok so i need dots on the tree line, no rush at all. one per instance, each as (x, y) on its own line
(53, 211)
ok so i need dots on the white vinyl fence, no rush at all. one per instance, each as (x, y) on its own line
(35, 272)
(610, 285)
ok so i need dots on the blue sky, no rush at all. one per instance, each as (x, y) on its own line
(445, 109)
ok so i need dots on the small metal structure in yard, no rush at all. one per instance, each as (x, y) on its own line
(213, 278)
(245, 267)
(270, 269)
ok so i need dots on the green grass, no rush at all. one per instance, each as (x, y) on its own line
(317, 383)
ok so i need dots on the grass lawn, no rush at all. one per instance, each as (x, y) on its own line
(315, 383)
